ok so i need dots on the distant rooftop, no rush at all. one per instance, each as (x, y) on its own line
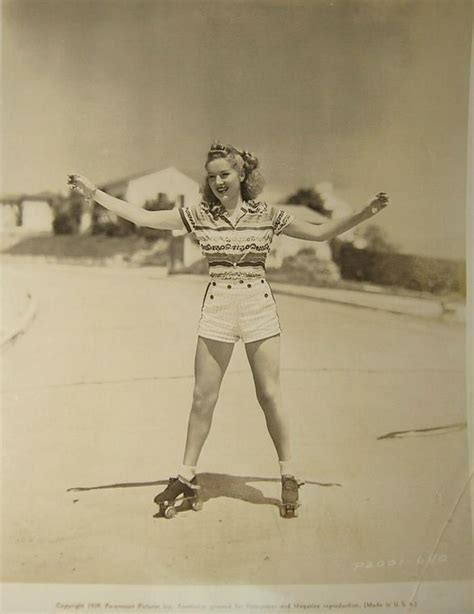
(124, 180)
(7, 199)
(109, 185)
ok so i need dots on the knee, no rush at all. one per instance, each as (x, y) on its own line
(204, 401)
(268, 397)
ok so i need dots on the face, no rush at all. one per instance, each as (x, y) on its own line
(224, 180)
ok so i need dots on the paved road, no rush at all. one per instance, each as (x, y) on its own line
(95, 404)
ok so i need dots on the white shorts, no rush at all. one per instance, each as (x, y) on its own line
(239, 309)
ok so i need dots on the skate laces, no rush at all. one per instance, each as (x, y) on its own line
(290, 480)
(290, 483)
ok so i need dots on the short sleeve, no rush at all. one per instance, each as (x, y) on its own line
(280, 220)
(189, 218)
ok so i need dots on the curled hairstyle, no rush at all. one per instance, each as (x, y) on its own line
(242, 161)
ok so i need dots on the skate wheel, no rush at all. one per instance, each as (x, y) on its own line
(170, 512)
(197, 506)
(288, 512)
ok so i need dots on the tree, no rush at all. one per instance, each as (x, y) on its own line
(67, 213)
(162, 202)
(309, 197)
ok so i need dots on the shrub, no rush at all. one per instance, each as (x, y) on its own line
(64, 224)
(67, 215)
(420, 273)
(306, 267)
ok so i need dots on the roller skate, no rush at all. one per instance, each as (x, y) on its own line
(289, 496)
(178, 495)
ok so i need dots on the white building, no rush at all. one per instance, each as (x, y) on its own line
(179, 188)
(284, 246)
(37, 215)
(25, 213)
(150, 186)
(9, 214)
(138, 189)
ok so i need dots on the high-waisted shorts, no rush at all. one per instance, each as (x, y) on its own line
(239, 309)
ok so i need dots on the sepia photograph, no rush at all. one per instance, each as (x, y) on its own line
(235, 315)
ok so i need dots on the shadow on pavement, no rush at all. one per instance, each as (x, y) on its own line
(426, 432)
(215, 485)
(118, 485)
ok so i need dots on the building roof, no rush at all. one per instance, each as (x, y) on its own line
(123, 181)
(141, 187)
(169, 181)
(9, 199)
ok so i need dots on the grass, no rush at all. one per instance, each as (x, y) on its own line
(79, 246)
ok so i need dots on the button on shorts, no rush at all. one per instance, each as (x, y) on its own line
(239, 309)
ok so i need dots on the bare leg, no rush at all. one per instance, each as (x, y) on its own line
(210, 364)
(264, 359)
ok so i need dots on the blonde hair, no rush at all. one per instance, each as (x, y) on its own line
(242, 161)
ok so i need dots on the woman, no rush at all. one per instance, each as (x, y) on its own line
(234, 232)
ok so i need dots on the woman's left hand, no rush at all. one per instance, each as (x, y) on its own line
(379, 203)
(79, 183)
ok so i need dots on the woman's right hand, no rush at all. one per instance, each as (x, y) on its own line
(81, 184)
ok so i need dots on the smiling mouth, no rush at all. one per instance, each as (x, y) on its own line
(221, 190)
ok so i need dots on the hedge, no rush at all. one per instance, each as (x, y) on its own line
(435, 275)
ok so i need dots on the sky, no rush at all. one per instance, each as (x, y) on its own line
(370, 95)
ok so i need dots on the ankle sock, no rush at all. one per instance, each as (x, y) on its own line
(286, 468)
(187, 472)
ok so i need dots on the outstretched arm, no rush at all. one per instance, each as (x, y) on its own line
(328, 230)
(163, 220)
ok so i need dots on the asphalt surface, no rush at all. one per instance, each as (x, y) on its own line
(95, 404)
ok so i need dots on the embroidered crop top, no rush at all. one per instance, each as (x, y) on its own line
(235, 249)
